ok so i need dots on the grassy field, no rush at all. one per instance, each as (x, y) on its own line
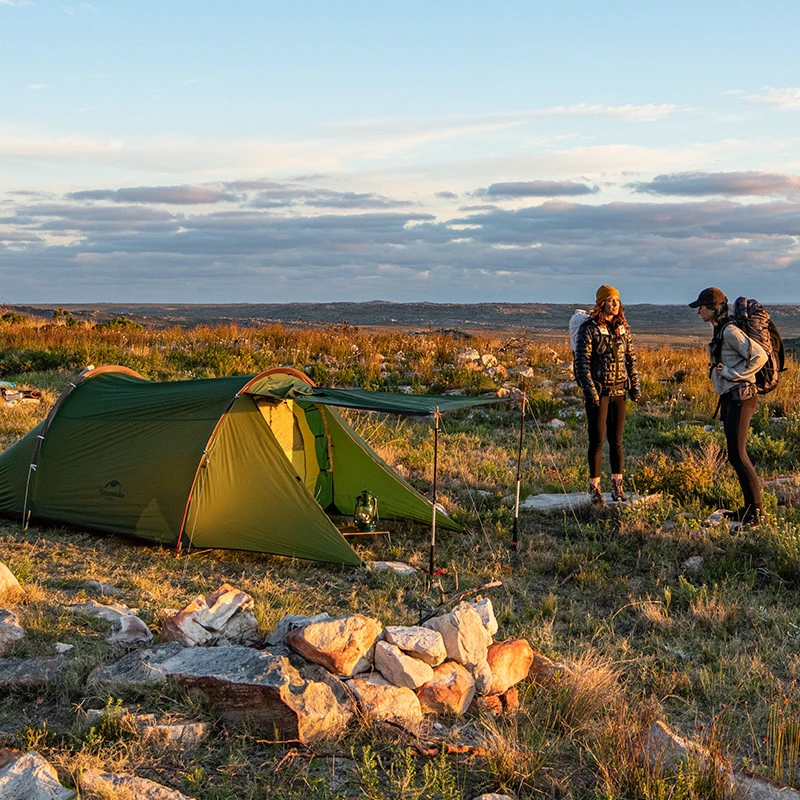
(714, 651)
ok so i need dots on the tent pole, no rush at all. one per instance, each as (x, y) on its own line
(435, 469)
(519, 474)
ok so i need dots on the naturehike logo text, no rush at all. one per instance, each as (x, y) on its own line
(112, 489)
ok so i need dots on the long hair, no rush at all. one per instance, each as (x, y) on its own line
(616, 322)
(720, 312)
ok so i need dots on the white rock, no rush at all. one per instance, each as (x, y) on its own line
(400, 669)
(398, 567)
(483, 606)
(129, 630)
(465, 637)
(423, 643)
(30, 777)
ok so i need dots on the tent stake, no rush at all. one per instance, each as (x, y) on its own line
(519, 474)
(433, 515)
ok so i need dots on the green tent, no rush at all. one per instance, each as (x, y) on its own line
(243, 462)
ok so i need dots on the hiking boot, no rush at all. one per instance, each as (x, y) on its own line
(617, 495)
(751, 516)
(596, 496)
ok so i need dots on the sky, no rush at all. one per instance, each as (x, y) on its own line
(443, 151)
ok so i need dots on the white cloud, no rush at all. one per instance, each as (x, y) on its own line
(788, 99)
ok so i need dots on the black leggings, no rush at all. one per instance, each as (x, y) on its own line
(607, 418)
(736, 416)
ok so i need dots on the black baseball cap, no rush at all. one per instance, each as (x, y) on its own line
(710, 297)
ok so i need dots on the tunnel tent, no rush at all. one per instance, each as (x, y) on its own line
(241, 462)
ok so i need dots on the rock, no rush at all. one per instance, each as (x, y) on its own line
(109, 784)
(8, 582)
(543, 668)
(400, 669)
(556, 424)
(716, 517)
(288, 623)
(488, 360)
(381, 701)
(243, 685)
(693, 565)
(343, 645)
(129, 631)
(188, 734)
(62, 648)
(423, 643)
(29, 672)
(493, 796)
(465, 638)
(510, 662)
(11, 631)
(450, 691)
(663, 746)
(483, 605)
(482, 675)
(106, 589)
(398, 567)
(223, 617)
(30, 777)
(527, 372)
(668, 525)
(92, 608)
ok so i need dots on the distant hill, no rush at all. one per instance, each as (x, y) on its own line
(647, 320)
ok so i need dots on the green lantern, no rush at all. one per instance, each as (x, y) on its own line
(365, 515)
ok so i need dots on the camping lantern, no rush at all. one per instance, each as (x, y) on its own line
(365, 514)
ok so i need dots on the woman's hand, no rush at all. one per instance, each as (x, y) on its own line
(719, 369)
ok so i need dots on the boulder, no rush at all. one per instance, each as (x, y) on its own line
(129, 631)
(223, 617)
(343, 645)
(11, 631)
(544, 668)
(243, 685)
(381, 701)
(109, 784)
(288, 623)
(509, 662)
(465, 637)
(400, 669)
(450, 691)
(423, 643)
(30, 777)
(19, 673)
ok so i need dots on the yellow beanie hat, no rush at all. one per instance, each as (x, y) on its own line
(606, 292)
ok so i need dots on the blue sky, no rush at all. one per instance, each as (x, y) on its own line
(221, 152)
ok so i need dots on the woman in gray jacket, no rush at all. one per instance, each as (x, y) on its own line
(734, 360)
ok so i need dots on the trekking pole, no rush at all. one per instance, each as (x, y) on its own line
(433, 515)
(519, 474)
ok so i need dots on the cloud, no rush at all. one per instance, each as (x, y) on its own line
(536, 189)
(176, 195)
(724, 183)
(633, 113)
(787, 99)
(324, 245)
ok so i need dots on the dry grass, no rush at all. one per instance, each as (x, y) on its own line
(603, 593)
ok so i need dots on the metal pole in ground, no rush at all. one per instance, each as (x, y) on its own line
(519, 474)
(433, 514)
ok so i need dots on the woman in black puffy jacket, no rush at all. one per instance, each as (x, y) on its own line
(605, 368)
